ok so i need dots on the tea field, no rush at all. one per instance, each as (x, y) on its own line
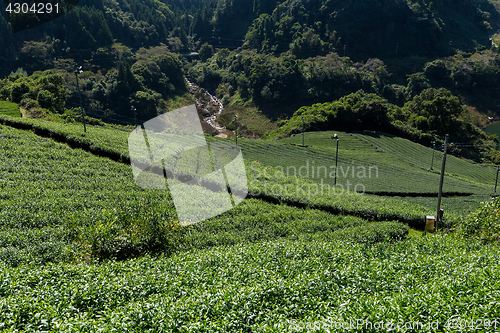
(83, 248)
(428, 284)
(369, 162)
(61, 204)
(9, 109)
(375, 161)
(382, 164)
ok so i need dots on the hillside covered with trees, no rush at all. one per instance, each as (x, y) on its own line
(264, 59)
(361, 28)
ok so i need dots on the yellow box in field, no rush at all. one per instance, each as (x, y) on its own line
(430, 222)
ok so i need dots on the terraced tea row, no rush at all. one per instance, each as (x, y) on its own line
(60, 204)
(278, 286)
(394, 175)
(403, 166)
(368, 161)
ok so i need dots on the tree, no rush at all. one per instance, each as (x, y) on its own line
(145, 104)
(440, 108)
(417, 82)
(206, 52)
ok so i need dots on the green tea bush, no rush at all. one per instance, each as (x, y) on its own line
(270, 286)
(271, 185)
(109, 141)
(483, 224)
(52, 200)
(89, 208)
(122, 236)
(255, 220)
(373, 233)
(9, 109)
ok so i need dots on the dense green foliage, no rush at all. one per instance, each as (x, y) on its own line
(474, 78)
(151, 81)
(483, 224)
(9, 109)
(427, 117)
(292, 57)
(109, 141)
(83, 248)
(45, 90)
(401, 168)
(277, 84)
(59, 204)
(95, 23)
(373, 28)
(296, 53)
(277, 266)
(278, 286)
(271, 184)
(304, 27)
(56, 203)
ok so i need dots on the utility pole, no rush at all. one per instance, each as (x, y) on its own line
(336, 159)
(344, 51)
(79, 70)
(441, 180)
(433, 150)
(496, 181)
(302, 130)
(236, 128)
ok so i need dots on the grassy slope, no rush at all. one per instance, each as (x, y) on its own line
(403, 166)
(51, 195)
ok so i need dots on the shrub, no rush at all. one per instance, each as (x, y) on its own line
(483, 224)
(123, 235)
(46, 99)
(374, 232)
(18, 91)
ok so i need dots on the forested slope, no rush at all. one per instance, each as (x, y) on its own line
(307, 27)
(374, 28)
(272, 56)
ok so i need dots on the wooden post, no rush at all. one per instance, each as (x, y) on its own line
(439, 213)
(78, 70)
(496, 181)
(302, 131)
(236, 128)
